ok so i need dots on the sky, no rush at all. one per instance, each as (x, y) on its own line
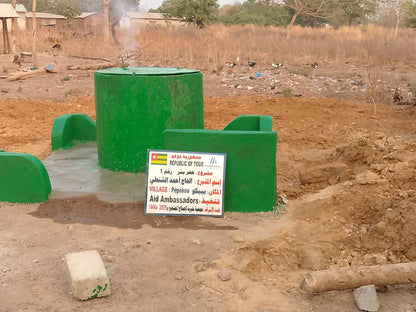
(145, 5)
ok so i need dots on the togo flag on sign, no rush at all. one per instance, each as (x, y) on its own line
(159, 159)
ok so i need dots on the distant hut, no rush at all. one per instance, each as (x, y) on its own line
(137, 20)
(21, 21)
(89, 23)
(46, 21)
(6, 12)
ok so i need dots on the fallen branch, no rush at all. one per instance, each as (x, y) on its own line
(36, 72)
(90, 58)
(354, 277)
(93, 66)
(213, 288)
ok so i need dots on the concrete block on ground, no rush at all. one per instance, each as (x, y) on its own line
(366, 298)
(88, 276)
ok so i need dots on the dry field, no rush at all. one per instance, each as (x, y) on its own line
(346, 163)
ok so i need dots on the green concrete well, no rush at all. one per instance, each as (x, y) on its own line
(135, 105)
(70, 127)
(23, 179)
(250, 183)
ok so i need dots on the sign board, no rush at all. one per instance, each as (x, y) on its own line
(185, 183)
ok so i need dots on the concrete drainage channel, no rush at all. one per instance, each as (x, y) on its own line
(74, 172)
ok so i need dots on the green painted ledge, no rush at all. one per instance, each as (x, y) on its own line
(69, 127)
(23, 179)
(250, 183)
(251, 123)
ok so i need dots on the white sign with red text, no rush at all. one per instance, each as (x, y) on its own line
(185, 183)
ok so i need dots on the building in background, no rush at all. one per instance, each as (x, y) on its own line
(136, 20)
(88, 23)
(46, 21)
(21, 21)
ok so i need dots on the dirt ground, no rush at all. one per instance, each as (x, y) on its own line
(346, 182)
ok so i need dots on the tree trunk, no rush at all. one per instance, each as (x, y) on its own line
(292, 22)
(14, 27)
(34, 53)
(396, 30)
(106, 4)
(354, 277)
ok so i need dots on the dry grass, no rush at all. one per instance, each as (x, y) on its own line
(217, 44)
(72, 43)
(212, 47)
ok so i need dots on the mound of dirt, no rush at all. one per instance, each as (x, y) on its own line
(365, 220)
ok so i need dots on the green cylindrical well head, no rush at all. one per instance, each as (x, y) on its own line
(135, 105)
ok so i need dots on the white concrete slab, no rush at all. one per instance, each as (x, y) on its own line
(88, 276)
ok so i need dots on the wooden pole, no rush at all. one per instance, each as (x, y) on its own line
(3, 21)
(354, 277)
(14, 27)
(34, 53)
(6, 33)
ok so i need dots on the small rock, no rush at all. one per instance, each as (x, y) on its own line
(179, 277)
(200, 267)
(4, 91)
(284, 199)
(368, 178)
(224, 275)
(35, 261)
(366, 298)
(380, 259)
(110, 259)
(238, 239)
(343, 263)
(196, 242)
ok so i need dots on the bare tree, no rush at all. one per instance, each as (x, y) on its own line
(398, 10)
(313, 8)
(395, 9)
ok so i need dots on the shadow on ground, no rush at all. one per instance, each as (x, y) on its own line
(90, 210)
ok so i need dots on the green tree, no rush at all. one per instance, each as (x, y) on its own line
(198, 12)
(67, 8)
(41, 5)
(356, 11)
(90, 6)
(254, 12)
(411, 14)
